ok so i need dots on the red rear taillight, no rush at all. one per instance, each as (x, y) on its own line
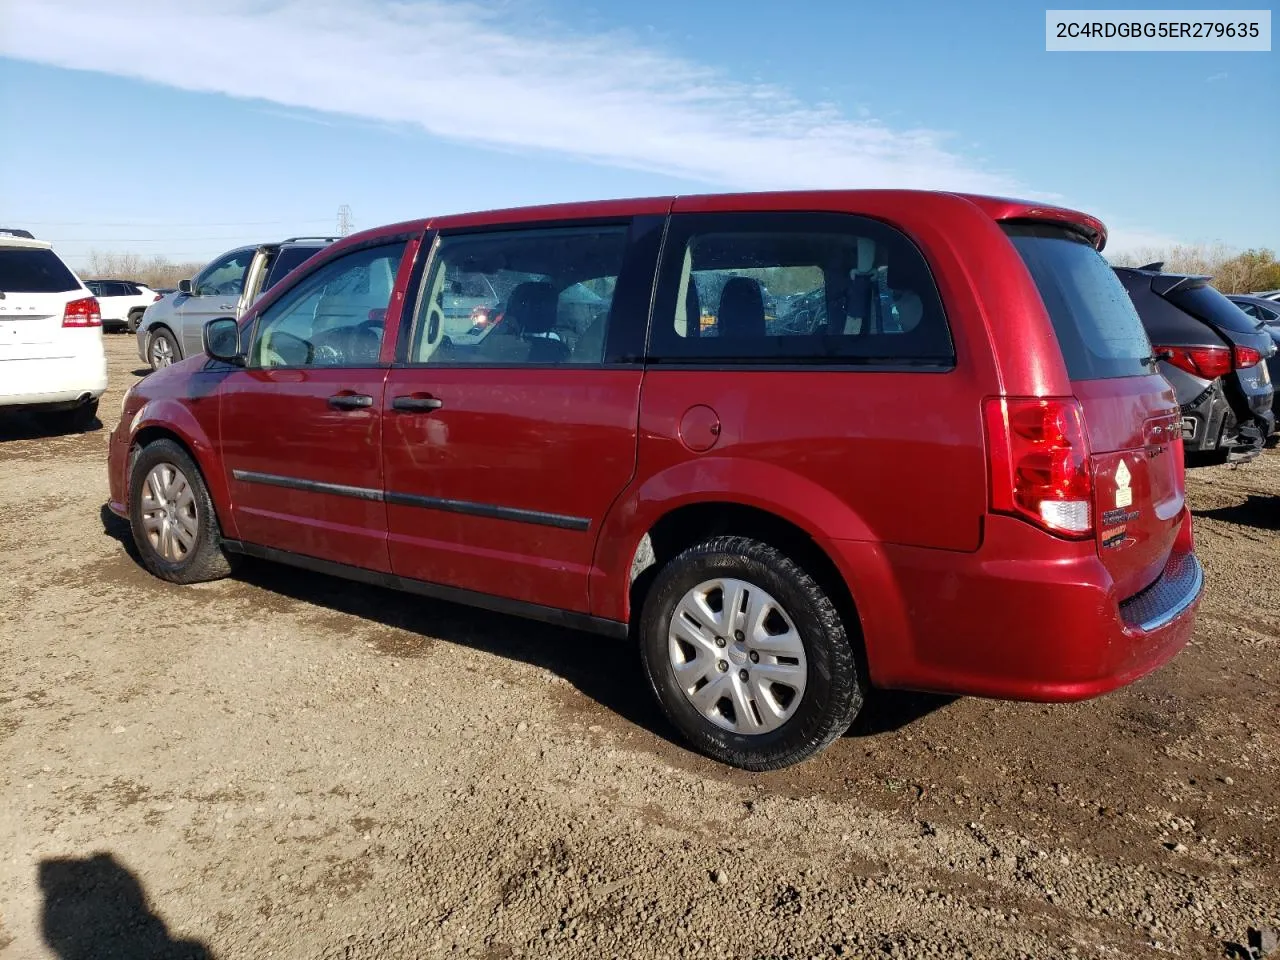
(159, 296)
(1206, 362)
(1040, 462)
(1246, 356)
(82, 313)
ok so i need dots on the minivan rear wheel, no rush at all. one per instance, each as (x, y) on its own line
(747, 655)
(171, 515)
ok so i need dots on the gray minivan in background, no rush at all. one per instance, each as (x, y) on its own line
(171, 328)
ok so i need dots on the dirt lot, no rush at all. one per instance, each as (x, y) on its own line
(285, 765)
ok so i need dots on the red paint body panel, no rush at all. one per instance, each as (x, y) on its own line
(1027, 617)
(544, 440)
(885, 471)
(181, 400)
(279, 422)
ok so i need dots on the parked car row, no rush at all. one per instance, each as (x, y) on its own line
(1214, 355)
(170, 329)
(948, 462)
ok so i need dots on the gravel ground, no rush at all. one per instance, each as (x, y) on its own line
(286, 765)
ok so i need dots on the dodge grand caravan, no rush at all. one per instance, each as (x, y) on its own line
(940, 459)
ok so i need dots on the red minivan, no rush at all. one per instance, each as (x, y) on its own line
(797, 444)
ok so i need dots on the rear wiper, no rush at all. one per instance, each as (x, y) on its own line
(1155, 358)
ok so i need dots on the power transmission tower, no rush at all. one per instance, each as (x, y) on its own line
(344, 220)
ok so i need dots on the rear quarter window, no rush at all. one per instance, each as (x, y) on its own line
(1098, 328)
(34, 271)
(285, 261)
(1208, 304)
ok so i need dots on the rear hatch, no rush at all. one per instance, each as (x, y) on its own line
(1131, 417)
(35, 287)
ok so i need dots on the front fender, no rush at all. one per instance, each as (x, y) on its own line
(751, 483)
(192, 421)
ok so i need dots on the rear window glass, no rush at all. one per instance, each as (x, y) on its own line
(34, 271)
(1206, 303)
(285, 261)
(1097, 325)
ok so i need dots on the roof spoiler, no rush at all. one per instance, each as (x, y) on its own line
(1153, 267)
(1169, 282)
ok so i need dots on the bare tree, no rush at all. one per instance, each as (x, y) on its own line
(156, 271)
(1232, 271)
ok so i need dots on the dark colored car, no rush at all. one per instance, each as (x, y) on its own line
(1213, 355)
(1266, 312)
(950, 466)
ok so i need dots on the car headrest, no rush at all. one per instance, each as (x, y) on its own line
(741, 311)
(532, 307)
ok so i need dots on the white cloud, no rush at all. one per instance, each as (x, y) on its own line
(460, 72)
(1214, 78)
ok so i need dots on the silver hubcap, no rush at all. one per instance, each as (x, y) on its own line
(169, 516)
(161, 352)
(737, 655)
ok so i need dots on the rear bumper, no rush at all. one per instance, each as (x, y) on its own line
(53, 383)
(1016, 620)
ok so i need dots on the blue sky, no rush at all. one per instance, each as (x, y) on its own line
(186, 129)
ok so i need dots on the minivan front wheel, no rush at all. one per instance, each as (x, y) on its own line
(171, 516)
(747, 655)
(162, 350)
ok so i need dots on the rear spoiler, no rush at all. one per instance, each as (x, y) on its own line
(1167, 283)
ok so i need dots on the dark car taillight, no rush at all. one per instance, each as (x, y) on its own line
(82, 313)
(1208, 363)
(1040, 462)
(1246, 356)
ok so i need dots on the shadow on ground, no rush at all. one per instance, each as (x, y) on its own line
(31, 426)
(605, 670)
(95, 909)
(1262, 512)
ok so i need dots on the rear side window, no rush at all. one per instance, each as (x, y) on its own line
(1097, 325)
(1206, 303)
(34, 271)
(286, 259)
(519, 297)
(796, 288)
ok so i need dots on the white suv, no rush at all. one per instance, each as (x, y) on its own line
(122, 302)
(52, 361)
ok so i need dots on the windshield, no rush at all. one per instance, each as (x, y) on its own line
(1098, 328)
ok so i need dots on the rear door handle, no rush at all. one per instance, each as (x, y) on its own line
(350, 401)
(417, 404)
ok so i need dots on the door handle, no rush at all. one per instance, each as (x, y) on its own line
(417, 404)
(350, 401)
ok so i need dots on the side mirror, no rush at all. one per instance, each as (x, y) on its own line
(222, 340)
(184, 286)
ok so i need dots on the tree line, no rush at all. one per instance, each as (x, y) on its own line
(1232, 271)
(155, 272)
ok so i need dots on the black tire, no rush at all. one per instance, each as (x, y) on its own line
(205, 560)
(162, 334)
(135, 317)
(76, 420)
(834, 688)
